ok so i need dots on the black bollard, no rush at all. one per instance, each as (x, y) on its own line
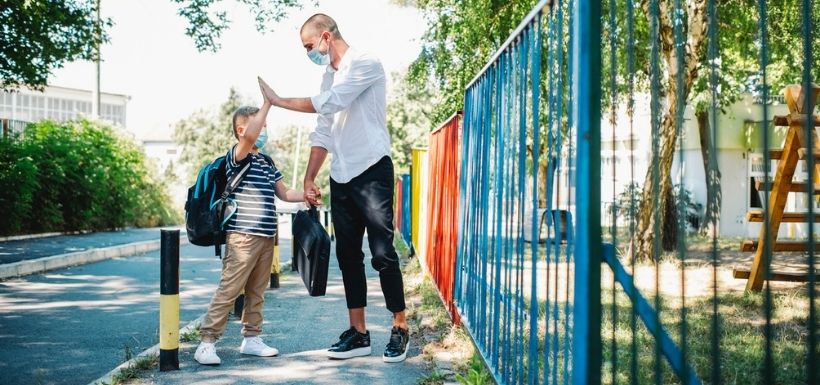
(169, 301)
(239, 305)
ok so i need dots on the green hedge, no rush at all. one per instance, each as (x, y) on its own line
(78, 175)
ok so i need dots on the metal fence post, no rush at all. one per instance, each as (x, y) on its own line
(586, 65)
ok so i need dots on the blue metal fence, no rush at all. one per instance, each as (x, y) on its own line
(532, 145)
(517, 298)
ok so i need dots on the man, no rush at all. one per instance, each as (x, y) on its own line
(351, 126)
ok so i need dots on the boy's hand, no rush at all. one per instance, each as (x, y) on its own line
(313, 197)
(268, 93)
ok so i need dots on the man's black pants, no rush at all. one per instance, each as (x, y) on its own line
(366, 202)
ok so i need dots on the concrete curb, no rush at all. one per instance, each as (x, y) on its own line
(28, 236)
(154, 350)
(39, 265)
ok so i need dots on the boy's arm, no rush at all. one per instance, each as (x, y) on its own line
(287, 194)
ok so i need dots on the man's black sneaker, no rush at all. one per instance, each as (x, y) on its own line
(396, 350)
(345, 335)
(351, 344)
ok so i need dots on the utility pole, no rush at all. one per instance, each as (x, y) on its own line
(296, 156)
(95, 92)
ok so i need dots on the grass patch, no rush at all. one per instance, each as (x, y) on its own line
(133, 371)
(434, 378)
(741, 338)
(475, 374)
(190, 336)
(447, 349)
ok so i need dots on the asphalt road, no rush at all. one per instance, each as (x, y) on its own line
(72, 326)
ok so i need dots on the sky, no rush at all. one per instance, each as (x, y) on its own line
(150, 59)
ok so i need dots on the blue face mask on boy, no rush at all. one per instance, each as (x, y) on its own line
(262, 138)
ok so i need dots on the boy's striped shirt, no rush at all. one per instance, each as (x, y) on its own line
(254, 197)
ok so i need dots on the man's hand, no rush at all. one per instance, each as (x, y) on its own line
(269, 94)
(313, 197)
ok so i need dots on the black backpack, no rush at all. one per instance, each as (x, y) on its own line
(208, 207)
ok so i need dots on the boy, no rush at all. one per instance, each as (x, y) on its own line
(249, 240)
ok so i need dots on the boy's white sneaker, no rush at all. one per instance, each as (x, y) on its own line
(256, 347)
(206, 354)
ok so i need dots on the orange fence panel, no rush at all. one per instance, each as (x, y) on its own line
(442, 208)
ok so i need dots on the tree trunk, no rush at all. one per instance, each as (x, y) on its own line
(643, 245)
(711, 219)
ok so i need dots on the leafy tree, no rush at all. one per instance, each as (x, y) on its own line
(39, 36)
(206, 134)
(409, 109)
(738, 73)
(206, 21)
(463, 34)
(460, 38)
(282, 146)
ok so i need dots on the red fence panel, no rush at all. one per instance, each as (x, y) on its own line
(440, 256)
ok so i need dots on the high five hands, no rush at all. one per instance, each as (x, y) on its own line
(268, 93)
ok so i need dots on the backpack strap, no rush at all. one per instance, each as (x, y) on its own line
(232, 184)
(235, 179)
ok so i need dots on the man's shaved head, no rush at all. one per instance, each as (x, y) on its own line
(319, 23)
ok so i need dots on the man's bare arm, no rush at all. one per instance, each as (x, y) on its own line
(293, 104)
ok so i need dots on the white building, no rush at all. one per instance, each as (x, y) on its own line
(60, 104)
(164, 153)
(625, 156)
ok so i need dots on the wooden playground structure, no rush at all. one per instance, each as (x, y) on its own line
(795, 147)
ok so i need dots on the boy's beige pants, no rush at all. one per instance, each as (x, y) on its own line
(247, 264)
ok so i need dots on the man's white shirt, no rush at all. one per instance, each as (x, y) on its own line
(351, 108)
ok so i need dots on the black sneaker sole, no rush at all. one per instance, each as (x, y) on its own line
(358, 352)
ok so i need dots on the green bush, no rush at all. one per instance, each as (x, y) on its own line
(18, 176)
(78, 175)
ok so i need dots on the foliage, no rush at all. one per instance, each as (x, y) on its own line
(692, 210)
(460, 38)
(78, 175)
(477, 373)
(40, 36)
(207, 20)
(206, 134)
(628, 203)
(281, 148)
(408, 119)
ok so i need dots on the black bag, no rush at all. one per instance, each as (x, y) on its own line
(312, 253)
(208, 208)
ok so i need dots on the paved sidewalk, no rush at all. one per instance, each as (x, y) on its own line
(27, 249)
(302, 327)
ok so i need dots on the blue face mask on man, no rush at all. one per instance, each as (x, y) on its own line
(262, 138)
(317, 56)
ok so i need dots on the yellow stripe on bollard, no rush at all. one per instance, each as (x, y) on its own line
(169, 321)
(274, 266)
